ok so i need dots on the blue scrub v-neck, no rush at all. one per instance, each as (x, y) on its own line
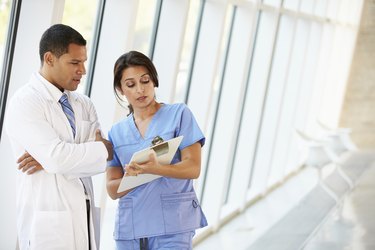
(136, 131)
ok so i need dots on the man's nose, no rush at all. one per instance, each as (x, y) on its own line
(82, 70)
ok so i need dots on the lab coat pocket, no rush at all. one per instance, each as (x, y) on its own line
(182, 212)
(124, 220)
(52, 230)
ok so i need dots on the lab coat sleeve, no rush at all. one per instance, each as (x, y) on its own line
(28, 127)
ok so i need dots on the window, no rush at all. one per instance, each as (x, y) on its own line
(235, 88)
(285, 133)
(275, 88)
(275, 3)
(144, 25)
(187, 50)
(81, 16)
(307, 6)
(258, 84)
(5, 56)
(291, 4)
(4, 20)
(5, 6)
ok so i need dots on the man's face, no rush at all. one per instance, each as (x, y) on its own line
(68, 69)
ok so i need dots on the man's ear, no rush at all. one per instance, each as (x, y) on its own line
(48, 58)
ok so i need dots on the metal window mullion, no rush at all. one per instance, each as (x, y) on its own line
(95, 46)
(194, 53)
(155, 28)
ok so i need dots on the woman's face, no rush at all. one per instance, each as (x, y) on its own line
(137, 87)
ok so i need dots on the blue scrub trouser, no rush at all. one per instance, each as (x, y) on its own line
(182, 241)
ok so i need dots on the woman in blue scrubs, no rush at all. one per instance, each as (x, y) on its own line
(164, 213)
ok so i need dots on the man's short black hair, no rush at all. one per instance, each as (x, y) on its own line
(57, 38)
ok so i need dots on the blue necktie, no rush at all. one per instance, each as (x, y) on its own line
(68, 110)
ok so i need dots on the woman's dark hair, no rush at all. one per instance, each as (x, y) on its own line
(131, 59)
(57, 38)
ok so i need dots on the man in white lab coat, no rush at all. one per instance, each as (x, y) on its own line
(61, 149)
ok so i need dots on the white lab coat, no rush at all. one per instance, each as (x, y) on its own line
(51, 204)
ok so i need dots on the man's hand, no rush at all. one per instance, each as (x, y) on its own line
(26, 163)
(107, 144)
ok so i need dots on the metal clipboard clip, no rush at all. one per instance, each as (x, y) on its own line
(159, 146)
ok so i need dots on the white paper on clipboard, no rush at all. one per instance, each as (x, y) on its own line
(164, 152)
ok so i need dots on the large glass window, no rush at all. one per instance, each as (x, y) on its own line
(235, 86)
(307, 6)
(333, 8)
(275, 3)
(272, 104)
(306, 86)
(4, 20)
(144, 24)
(207, 185)
(320, 79)
(258, 80)
(286, 128)
(344, 11)
(187, 50)
(81, 16)
(5, 9)
(206, 73)
(291, 4)
(320, 8)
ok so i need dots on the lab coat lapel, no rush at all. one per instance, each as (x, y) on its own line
(55, 108)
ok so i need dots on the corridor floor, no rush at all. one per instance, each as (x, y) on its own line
(301, 215)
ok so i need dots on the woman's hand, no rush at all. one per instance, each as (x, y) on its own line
(134, 169)
(188, 168)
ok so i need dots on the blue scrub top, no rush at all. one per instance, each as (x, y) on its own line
(165, 205)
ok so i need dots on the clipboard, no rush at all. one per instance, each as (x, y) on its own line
(165, 152)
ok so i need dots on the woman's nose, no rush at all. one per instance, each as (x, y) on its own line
(140, 88)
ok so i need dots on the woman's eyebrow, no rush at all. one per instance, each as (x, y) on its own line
(131, 78)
